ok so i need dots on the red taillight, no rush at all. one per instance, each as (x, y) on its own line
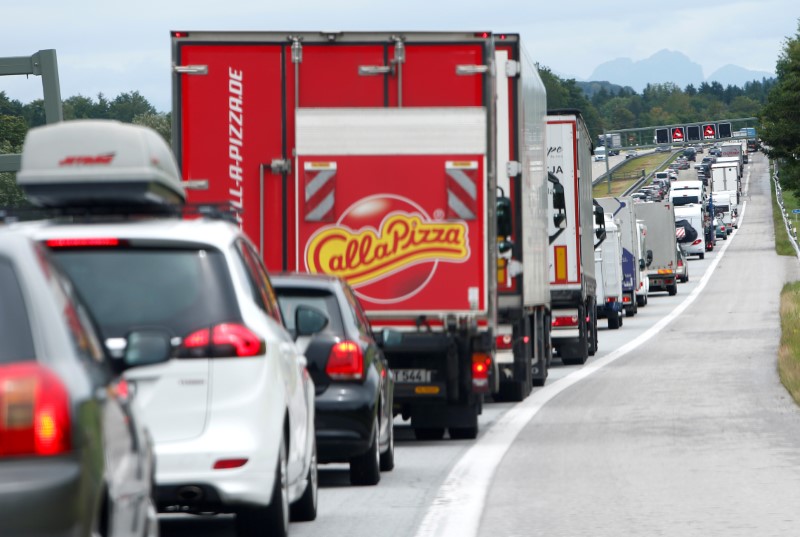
(560, 322)
(611, 299)
(696, 242)
(93, 242)
(680, 262)
(503, 342)
(626, 299)
(480, 372)
(346, 361)
(226, 464)
(34, 411)
(226, 339)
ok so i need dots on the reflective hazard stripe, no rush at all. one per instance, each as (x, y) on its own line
(462, 189)
(320, 191)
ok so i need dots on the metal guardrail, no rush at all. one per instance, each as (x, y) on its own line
(638, 184)
(790, 230)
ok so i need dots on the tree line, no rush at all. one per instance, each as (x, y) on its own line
(605, 108)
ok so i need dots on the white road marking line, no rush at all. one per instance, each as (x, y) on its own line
(458, 506)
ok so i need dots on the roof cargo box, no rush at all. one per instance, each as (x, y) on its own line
(98, 163)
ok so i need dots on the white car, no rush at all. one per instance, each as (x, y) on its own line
(232, 413)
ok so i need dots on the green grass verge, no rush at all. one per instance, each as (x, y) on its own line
(631, 168)
(789, 350)
(783, 244)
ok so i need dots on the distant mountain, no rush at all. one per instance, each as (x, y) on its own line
(737, 76)
(591, 88)
(670, 66)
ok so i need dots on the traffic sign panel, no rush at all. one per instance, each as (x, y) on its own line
(796, 211)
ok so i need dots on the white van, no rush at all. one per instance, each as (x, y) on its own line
(687, 218)
(600, 153)
(608, 270)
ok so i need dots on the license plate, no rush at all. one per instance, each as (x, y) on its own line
(412, 375)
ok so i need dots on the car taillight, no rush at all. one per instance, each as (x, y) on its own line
(34, 411)
(680, 262)
(346, 361)
(226, 339)
(503, 342)
(696, 242)
(560, 322)
(481, 363)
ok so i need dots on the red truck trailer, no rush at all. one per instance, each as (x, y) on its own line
(373, 156)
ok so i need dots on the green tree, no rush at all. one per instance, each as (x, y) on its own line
(126, 106)
(780, 117)
(161, 123)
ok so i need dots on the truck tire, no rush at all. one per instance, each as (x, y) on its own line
(463, 433)
(512, 390)
(428, 433)
(592, 331)
(672, 289)
(640, 301)
(614, 321)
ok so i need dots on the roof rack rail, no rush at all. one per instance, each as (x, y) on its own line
(87, 212)
(216, 211)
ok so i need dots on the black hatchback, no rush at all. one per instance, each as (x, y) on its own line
(354, 385)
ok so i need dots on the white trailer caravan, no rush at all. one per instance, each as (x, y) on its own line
(725, 206)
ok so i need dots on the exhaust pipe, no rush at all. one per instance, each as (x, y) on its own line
(190, 493)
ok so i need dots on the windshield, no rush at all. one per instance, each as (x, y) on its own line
(684, 200)
(178, 289)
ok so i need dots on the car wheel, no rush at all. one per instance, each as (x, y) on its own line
(387, 457)
(701, 256)
(305, 509)
(273, 519)
(429, 433)
(365, 470)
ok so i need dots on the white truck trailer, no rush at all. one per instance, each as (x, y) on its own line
(661, 241)
(573, 285)
(608, 269)
(633, 255)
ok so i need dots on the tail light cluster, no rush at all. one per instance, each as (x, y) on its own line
(696, 242)
(567, 321)
(481, 363)
(34, 411)
(346, 361)
(503, 343)
(226, 339)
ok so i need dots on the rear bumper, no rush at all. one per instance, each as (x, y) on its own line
(43, 496)
(344, 416)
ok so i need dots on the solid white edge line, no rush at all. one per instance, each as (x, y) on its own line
(458, 507)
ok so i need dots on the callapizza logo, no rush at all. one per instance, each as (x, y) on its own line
(388, 239)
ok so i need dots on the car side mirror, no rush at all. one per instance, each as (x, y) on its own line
(503, 216)
(642, 264)
(308, 321)
(600, 222)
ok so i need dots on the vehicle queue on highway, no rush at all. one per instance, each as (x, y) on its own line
(227, 383)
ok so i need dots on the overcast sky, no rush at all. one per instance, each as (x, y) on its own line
(113, 47)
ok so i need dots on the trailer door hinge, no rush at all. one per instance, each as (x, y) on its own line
(513, 68)
(279, 166)
(513, 168)
(191, 69)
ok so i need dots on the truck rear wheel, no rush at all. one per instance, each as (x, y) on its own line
(614, 320)
(429, 433)
(463, 433)
(512, 390)
(672, 289)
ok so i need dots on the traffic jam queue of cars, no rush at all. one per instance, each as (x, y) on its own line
(151, 363)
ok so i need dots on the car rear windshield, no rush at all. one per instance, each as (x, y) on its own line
(16, 339)
(181, 290)
(322, 299)
(684, 200)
